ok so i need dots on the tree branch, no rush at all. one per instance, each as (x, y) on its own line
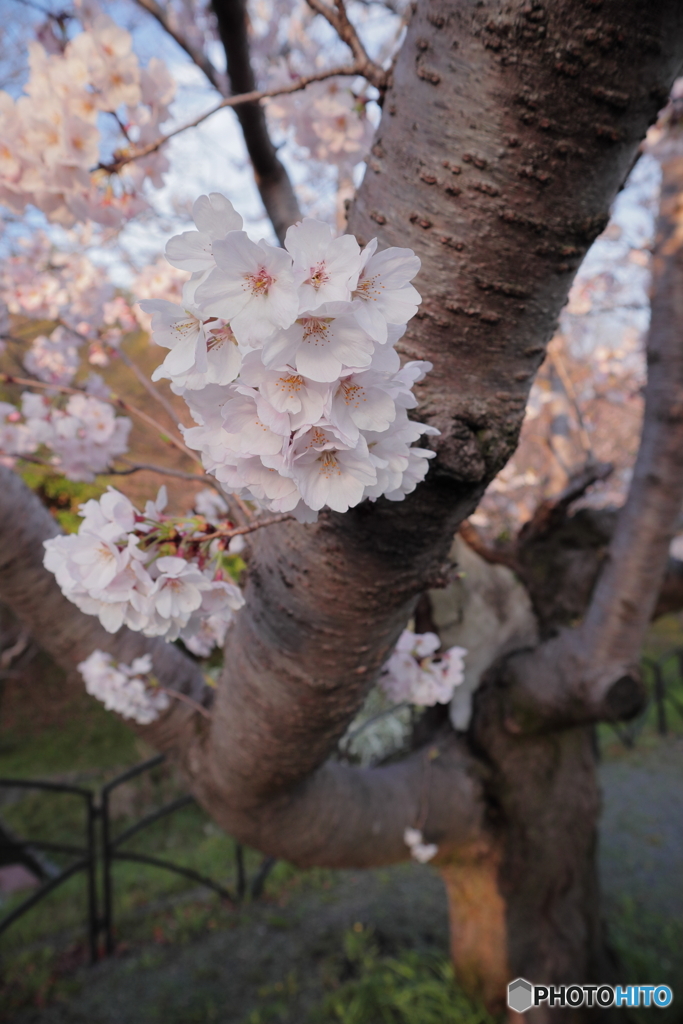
(599, 675)
(271, 177)
(113, 399)
(339, 20)
(340, 816)
(197, 56)
(122, 158)
(527, 179)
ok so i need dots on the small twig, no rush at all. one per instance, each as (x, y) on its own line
(137, 467)
(238, 531)
(16, 650)
(561, 370)
(339, 20)
(199, 708)
(493, 556)
(242, 506)
(121, 125)
(147, 384)
(122, 159)
(132, 365)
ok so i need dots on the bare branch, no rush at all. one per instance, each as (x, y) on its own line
(147, 384)
(197, 56)
(627, 590)
(339, 20)
(177, 695)
(121, 159)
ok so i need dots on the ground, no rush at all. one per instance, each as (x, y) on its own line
(320, 947)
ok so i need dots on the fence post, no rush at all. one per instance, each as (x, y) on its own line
(93, 915)
(107, 892)
(660, 697)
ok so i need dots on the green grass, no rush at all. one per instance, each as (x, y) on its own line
(89, 739)
(411, 988)
(61, 496)
(648, 948)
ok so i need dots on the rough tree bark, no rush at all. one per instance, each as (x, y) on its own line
(506, 132)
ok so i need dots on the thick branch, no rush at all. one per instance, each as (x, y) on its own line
(328, 602)
(272, 180)
(339, 816)
(598, 674)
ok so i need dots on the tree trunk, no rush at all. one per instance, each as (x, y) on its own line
(544, 801)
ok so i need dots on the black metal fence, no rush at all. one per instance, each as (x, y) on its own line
(99, 851)
(101, 847)
(663, 677)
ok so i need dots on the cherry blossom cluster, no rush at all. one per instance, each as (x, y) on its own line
(51, 136)
(286, 358)
(156, 574)
(83, 438)
(129, 690)
(329, 119)
(414, 675)
(68, 289)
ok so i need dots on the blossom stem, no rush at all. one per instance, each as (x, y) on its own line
(137, 467)
(199, 708)
(238, 531)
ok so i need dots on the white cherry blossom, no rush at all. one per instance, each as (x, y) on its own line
(180, 329)
(285, 400)
(118, 568)
(209, 503)
(419, 850)
(214, 217)
(322, 344)
(325, 268)
(384, 293)
(252, 287)
(412, 673)
(124, 689)
(328, 475)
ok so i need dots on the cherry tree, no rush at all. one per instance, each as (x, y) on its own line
(351, 393)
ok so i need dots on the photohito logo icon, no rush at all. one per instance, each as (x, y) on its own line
(520, 995)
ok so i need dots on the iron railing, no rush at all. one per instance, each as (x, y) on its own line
(98, 853)
(660, 696)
